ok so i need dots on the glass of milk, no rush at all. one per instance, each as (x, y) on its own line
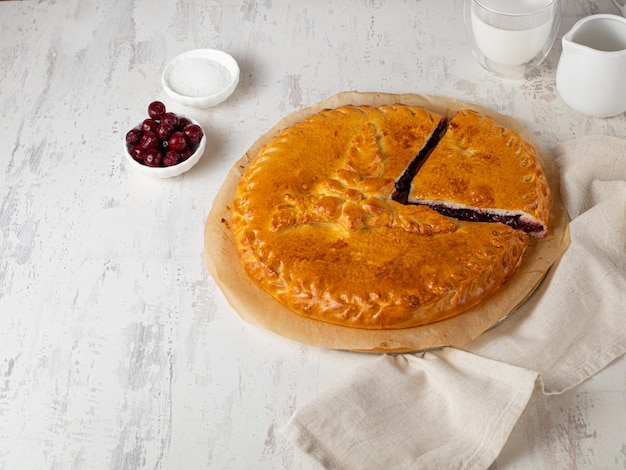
(510, 38)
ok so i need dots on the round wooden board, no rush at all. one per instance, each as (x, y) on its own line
(257, 307)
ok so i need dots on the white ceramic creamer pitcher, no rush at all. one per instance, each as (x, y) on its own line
(591, 74)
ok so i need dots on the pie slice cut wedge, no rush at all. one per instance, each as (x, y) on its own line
(482, 171)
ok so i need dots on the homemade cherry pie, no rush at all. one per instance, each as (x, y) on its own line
(388, 217)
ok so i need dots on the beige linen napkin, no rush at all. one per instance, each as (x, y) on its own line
(453, 408)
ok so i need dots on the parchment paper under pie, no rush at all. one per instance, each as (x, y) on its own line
(258, 307)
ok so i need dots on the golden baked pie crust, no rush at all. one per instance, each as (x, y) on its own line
(258, 307)
(316, 226)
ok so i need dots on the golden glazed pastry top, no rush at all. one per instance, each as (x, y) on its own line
(316, 227)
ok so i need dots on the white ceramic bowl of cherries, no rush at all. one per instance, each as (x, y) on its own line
(164, 144)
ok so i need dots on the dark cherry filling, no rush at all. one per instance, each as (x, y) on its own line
(474, 215)
(403, 184)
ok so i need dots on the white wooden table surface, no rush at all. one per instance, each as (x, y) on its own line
(117, 350)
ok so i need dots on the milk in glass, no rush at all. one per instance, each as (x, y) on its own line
(506, 38)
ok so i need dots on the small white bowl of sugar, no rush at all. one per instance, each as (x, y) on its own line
(201, 78)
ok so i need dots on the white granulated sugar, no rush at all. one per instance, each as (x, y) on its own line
(199, 77)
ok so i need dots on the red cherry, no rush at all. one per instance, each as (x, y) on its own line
(171, 119)
(133, 137)
(164, 131)
(137, 153)
(193, 132)
(185, 153)
(149, 125)
(171, 158)
(156, 109)
(183, 122)
(177, 141)
(153, 157)
(149, 140)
